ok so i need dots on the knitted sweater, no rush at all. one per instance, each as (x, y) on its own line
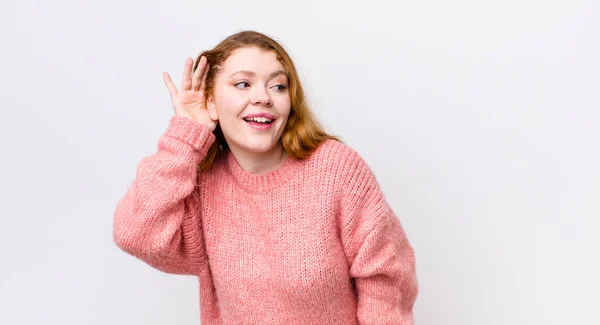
(312, 242)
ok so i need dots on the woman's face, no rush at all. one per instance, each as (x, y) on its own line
(251, 100)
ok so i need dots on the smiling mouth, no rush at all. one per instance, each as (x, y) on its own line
(261, 120)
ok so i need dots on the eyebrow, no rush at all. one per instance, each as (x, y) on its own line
(252, 73)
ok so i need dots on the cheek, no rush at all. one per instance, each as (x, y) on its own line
(284, 105)
(229, 103)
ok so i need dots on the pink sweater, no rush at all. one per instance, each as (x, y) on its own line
(313, 242)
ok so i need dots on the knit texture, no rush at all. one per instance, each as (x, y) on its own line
(312, 242)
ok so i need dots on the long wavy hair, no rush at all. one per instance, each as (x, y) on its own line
(302, 133)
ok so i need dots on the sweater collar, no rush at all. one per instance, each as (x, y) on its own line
(258, 183)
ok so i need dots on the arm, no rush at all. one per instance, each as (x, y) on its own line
(382, 261)
(158, 219)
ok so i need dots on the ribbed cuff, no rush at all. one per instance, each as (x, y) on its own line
(195, 134)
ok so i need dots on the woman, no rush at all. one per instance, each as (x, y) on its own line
(281, 222)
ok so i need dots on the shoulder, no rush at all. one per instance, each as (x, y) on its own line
(340, 160)
(333, 151)
(355, 186)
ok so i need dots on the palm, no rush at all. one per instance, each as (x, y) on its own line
(190, 100)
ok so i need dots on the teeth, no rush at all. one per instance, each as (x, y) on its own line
(259, 119)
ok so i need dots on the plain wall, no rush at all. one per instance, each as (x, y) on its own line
(480, 120)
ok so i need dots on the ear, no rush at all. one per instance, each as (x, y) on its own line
(212, 109)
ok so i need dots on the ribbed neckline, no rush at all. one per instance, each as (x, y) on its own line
(259, 183)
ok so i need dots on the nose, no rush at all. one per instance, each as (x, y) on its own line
(261, 97)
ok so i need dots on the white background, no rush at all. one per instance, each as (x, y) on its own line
(479, 118)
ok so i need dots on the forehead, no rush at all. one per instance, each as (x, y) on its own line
(252, 59)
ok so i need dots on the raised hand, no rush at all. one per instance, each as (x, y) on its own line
(190, 100)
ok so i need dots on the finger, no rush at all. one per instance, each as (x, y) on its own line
(197, 78)
(170, 85)
(186, 78)
(203, 84)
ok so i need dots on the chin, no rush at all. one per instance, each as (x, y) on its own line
(259, 146)
(253, 142)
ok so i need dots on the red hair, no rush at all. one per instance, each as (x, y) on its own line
(302, 133)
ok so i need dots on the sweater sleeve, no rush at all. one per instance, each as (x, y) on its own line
(158, 219)
(381, 260)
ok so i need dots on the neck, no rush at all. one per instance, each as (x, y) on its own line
(259, 162)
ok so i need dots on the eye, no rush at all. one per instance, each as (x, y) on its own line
(241, 84)
(280, 87)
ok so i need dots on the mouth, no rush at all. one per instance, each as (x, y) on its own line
(261, 120)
